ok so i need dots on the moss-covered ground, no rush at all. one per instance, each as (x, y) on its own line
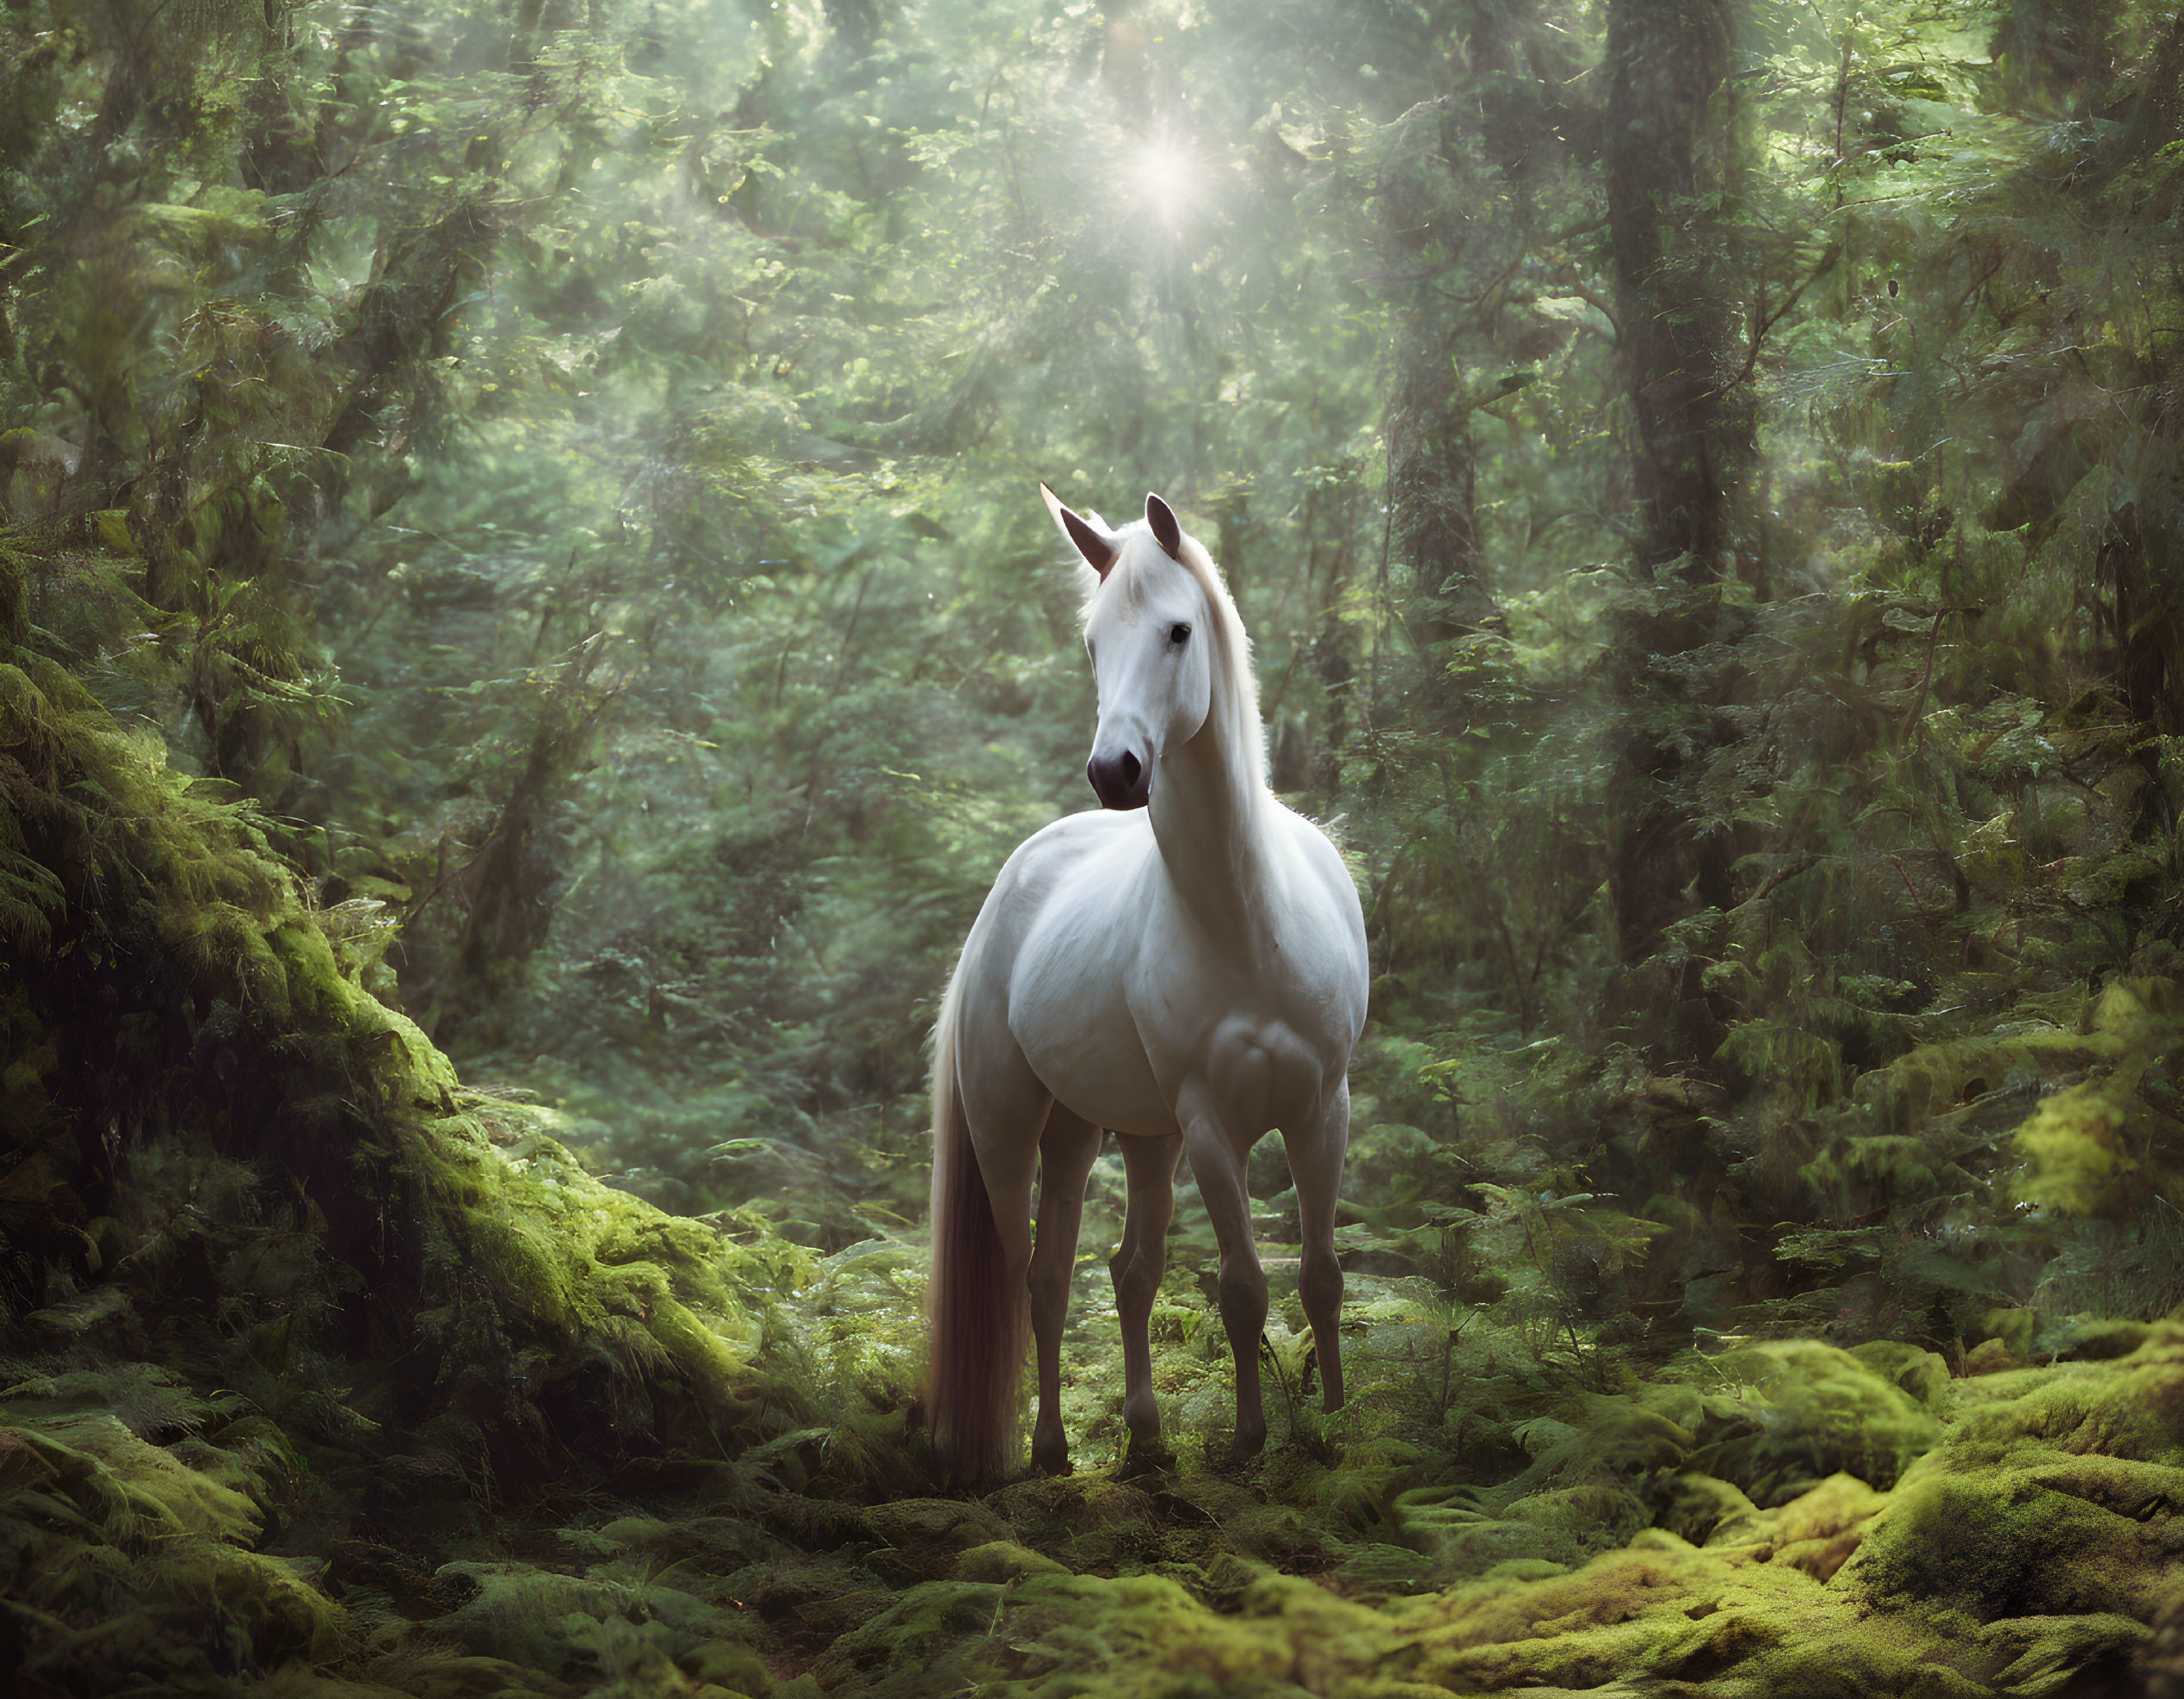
(181, 1511)
(590, 1449)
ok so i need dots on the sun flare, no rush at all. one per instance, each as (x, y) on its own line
(1167, 179)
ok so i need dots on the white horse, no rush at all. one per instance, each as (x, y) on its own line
(1185, 966)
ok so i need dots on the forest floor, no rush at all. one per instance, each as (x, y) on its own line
(171, 1541)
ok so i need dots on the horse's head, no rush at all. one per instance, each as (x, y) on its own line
(1148, 631)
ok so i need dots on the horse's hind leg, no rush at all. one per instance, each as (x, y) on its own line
(1316, 1164)
(1136, 1270)
(1067, 1151)
(1006, 1109)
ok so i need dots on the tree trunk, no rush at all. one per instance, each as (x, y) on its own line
(508, 882)
(1669, 147)
(1430, 250)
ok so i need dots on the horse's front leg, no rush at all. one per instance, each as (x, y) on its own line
(1316, 1164)
(1136, 1270)
(1219, 1161)
(1067, 1151)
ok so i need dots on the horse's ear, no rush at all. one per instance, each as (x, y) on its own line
(1166, 532)
(1098, 548)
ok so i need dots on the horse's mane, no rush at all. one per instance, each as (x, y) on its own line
(1234, 712)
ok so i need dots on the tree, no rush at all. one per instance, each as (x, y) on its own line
(1669, 147)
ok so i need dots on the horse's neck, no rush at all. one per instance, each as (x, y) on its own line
(1210, 824)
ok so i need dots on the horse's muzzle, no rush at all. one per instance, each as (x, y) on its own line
(1120, 781)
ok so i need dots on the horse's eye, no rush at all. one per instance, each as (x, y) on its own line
(1178, 633)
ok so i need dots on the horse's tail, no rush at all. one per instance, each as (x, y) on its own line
(978, 1324)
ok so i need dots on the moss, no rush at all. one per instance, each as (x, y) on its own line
(430, 1676)
(715, 1545)
(299, 1681)
(1820, 1531)
(133, 1493)
(1149, 1636)
(498, 1206)
(1372, 1570)
(2076, 1162)
(1004, 1561)
(1820, 1595)
(270, 1601)
(1815, 1410)
(931, 1620)
(1912, 1369)
(728, 1664)
(2097, 1339)
(2130, 1407)
(1839, 1504)
(952, 1594)
(316, 1271)
(2014, 1543)
(1693, 1505)
(2045, 1654)
(531, 1617)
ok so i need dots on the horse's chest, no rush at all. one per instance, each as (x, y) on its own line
(1234, 1033)
(1260, 1073)
(1125, 1008)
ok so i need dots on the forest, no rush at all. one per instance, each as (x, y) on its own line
(527, 629)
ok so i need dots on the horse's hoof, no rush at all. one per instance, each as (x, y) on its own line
(1140, 1460)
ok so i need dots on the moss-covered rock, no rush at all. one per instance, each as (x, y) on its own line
(263, 1253)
